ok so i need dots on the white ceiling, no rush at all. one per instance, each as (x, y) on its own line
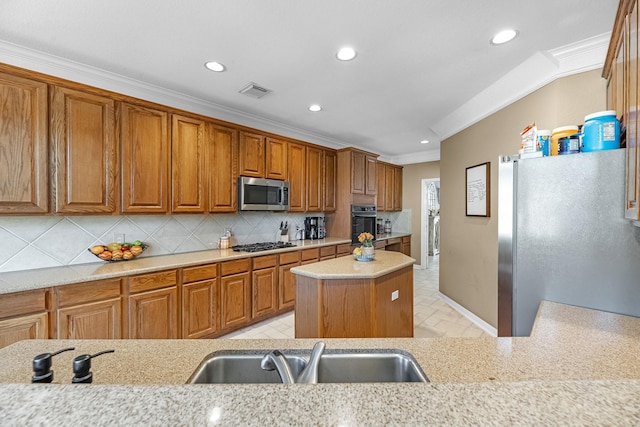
(425, 68)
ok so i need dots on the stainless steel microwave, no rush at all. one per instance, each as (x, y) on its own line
(257, 194)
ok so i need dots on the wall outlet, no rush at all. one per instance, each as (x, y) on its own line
(395, 295)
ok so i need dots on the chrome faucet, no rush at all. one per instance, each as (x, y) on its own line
(277, 361)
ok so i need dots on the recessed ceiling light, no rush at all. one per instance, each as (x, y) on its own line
(346, 54)
(215, 66)
(424, 141)
(504, 36)
(315, 107)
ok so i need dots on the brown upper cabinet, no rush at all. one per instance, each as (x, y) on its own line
(188, 156)
(23, 146)
(389, 180)
(84, 152)
(622, 71)
(329, 176)
(397, 193)
(223, 168)
(252, 157)
(144, 133)
(276, 159)
(363, 173)
(314, 179)
(297, 177)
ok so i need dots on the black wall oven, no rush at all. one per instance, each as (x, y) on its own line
(363, 219)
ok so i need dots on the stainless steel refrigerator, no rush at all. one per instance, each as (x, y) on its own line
(562, 237)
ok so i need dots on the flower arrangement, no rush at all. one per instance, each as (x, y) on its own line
(366, 239)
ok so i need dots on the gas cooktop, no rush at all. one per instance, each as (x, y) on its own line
(264, 246)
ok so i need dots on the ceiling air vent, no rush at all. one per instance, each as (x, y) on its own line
(254, 91)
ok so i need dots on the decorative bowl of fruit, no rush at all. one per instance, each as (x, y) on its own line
(114, 252)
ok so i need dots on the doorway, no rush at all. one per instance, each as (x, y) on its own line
(429, 221)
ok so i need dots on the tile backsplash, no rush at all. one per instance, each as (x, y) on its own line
(52, 241)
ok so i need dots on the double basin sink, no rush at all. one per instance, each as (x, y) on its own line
(334, 366)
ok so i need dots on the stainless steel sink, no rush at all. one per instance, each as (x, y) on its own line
(335, 366)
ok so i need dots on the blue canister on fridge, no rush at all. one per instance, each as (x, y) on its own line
(544, 142)
(569, 144)
(601, 131)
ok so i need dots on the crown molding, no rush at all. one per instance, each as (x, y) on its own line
(538, 70)
(432, 155)
(56, 66)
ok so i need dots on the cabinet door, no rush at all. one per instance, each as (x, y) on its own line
(371, 169)
(329, 177)
(96, 320)
(145, 159)
(23, 146)
(630, 115)
(286, 287)
(188, 177)
(389, 186)
(199, 309)
(276, 166)
(235, 300)
(84, 152)
(382, 194)
(154, 314)
(264, 285)
(397, 188)
(223, 169)
(406, 245)
(252, 148)
(297, 178)
(29, 327)
(358, 172)
(314, 179)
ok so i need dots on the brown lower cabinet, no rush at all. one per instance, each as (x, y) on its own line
(23, 315)
(91, 310)
(153, 305)
(200, 311)
(235, 293)
(286, 280)
(264, 285)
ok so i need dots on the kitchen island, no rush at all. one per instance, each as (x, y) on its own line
(345, 298)
(579, 367)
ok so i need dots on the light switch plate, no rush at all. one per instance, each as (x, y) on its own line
(395, 295)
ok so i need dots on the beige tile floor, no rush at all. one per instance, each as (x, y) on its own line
(432, 316)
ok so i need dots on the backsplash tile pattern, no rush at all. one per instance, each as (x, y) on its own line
(30, 242)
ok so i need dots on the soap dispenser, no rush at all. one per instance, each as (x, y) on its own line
(82, 367)
(42, 372)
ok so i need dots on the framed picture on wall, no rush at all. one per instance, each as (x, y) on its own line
(478, 190)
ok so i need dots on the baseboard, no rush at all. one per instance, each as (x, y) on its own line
(469, 315)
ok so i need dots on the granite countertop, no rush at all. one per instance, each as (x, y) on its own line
(385, 262)
(45, 277)
(580, 366)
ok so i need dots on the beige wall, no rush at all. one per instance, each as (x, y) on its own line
(469, 245)
(412, 176)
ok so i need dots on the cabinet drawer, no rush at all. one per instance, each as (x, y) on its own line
(81, 293)
(309, 254)
(327, 251)
(289, 257)
(201, 272)
(406, 239)
(234, 267)
(147, 282)
(394, 240)
(380, 244)
(343, 248)
(23, 302)
(265, 261)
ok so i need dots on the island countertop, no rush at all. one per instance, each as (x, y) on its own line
(579, 366)
(347, 267)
